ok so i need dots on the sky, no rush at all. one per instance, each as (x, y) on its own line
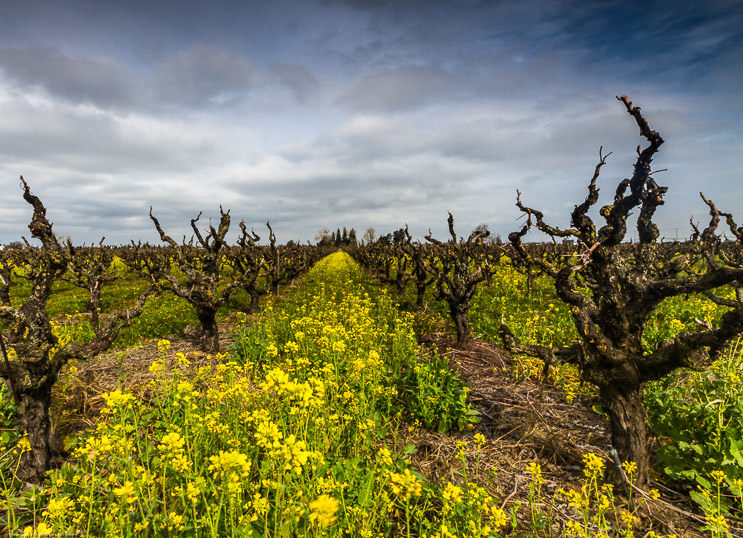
(359, 113)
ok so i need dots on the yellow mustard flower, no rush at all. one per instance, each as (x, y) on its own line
(127, 490)
(323, 510)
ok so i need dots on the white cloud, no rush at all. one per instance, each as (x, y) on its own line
(201, 75)
(93, 140)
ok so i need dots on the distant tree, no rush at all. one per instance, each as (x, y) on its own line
(352, 236)
(370, 235)
(344, 238)
(321, 234)
(323, 238)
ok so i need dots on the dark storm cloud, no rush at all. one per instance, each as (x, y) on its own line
(692, 32)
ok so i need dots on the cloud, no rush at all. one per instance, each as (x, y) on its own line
(97, 170)
(300, 82)
(36, 129)
(78, 79)
(399, 89)
(203, 75)
(199, 76)
(372, 171)
(326, 116)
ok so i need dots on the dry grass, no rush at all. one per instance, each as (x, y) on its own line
(77, 405)
(526, 422)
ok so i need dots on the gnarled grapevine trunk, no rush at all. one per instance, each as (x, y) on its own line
(460, 315)
(209, 329)
(255, 297)
(33, 411)
(200, 271)
(39, 354)
(457, 268)
(629, 433)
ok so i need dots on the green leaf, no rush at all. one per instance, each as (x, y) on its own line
(409, 449)
(367, 488)
(70, 442)
(418, 475)
(702, 481)
(686, 474)
(700, 499)
(443, 426)
(735, 451)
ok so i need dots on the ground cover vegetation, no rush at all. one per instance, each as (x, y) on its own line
(306, 424)
(297, 432)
